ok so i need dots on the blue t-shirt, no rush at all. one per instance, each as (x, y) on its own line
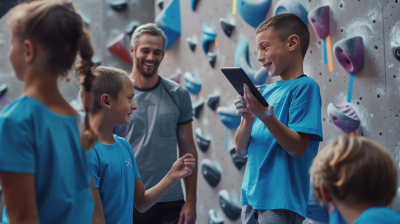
(336, 218)
(371, 215)
(35, 140)
(273, 178)
(114, 171)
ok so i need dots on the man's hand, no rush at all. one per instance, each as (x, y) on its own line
(254, 106)
(188, 213)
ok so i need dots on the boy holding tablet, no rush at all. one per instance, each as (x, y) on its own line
(282, 139)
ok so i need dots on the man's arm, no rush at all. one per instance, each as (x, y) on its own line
(20, 197)
(295, 143)
(186, 145)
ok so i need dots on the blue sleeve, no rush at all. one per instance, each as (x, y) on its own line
(305, 111)
(336, 218)
(130, 150)
(95, 169)
(17, 151)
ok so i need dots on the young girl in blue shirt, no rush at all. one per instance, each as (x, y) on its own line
(44, 161)
(117, 180)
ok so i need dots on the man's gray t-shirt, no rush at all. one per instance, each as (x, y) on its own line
(153, 132)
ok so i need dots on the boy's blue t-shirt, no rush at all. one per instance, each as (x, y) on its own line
(336, 218)
(273, 178)
(371, 215)
(114, 171)
(35, 140)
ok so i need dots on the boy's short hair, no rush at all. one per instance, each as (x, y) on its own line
(355, 169)
(285, 25)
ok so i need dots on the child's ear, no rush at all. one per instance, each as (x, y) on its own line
(294, 42)
(105, 101)
(326, 196)
(29, 51)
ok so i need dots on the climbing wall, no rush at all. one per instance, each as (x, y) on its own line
(363, 90)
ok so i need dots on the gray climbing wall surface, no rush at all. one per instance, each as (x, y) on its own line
(375, 89)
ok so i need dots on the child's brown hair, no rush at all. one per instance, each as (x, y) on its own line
(355, 169)
(57, 28)
(109, 81)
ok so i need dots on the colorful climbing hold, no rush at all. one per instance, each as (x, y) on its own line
(192, 43)
(169, 20)
(132, 27)
(160, 4)
(395, 49)
(212, 101)
(197, 108)
(120, 47)
(202, 140)
(291, 6)
(229, 117)
(212, 57)
(319, 18)
(176, 78)
(237, 160)
(227, 27)
(231, 209)
(208, 35)
(192, 83)
(210, 172)
(344, 116)
(242, 60)
(213, 217)
(3, 89)
(254, 12)
(350, 53)
(193, 4)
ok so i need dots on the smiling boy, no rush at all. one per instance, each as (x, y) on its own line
(282, 139)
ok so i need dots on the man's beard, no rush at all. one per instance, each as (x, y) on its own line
(145, 73)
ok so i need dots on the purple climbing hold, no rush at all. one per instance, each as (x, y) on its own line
(319, 18)
(176, 78)
(350, 53)
(344, 116)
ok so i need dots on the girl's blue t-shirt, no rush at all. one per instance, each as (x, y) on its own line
(274, 179)
(114, 171)
(35, 140)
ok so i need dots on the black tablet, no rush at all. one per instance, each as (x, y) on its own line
(237, 77)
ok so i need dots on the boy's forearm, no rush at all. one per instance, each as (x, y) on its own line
(291, 141)
(242, 137)
(152, 195)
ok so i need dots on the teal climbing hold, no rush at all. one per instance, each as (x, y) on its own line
(242, 60)
(193, 4)
(208, 35)
(253, 12)
(169, 20)
(213, 217)
(291, 6)
(229, 117)
(192, 83)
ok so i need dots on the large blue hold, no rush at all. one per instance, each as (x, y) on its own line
(208, 34)
(242, 60)
(253, 12)
(192, 83)
(169, 20)
(291, 6)
(229, 117)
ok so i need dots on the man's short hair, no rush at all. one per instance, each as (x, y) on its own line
(355, 169)
(285, 25)
(151, 29)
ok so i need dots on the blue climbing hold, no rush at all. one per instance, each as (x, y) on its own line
(208, 35)
(253, 12)
(169, 20)
(193, 4)
(314, 210)
(242, 60)
(4, 219)
(291, 6)
(213, 217)
(229, 117)
(210, 172)
(192, 83)
(231, 209)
